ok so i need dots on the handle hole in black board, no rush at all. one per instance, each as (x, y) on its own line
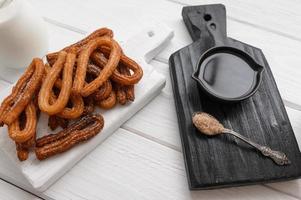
(207, 17)
(213, 26)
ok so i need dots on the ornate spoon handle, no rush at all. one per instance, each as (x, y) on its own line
(277, 156)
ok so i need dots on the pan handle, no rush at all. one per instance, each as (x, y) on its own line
(215, 32)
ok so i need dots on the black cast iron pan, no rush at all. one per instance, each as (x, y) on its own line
(226, 73)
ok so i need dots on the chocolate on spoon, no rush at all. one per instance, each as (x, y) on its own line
(209, 125)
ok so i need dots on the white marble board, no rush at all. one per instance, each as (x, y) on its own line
(142, 48)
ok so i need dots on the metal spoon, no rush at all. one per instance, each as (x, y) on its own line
(209, 125)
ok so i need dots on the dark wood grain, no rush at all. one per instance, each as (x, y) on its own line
(223, 161)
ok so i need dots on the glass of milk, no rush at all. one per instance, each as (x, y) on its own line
(23, 34)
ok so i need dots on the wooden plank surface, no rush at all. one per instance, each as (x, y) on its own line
(136, 14)
(134, 167)
(271, 16)
(164, 94)
(280, 50)
(11, 192)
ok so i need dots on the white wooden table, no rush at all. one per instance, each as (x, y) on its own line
(143, 159)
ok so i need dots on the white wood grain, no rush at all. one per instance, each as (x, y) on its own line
(3, 85)
(132, 167)
(282, 17)
(292, 188)
(281, 51)
(129, 165)
(135, 15)
(158, 120)
(136, 168)
(10, 192)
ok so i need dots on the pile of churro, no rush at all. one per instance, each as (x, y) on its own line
(92, 72)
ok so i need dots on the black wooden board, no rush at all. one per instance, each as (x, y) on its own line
(223, 161)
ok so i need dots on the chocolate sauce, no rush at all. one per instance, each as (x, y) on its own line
(227, 75)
